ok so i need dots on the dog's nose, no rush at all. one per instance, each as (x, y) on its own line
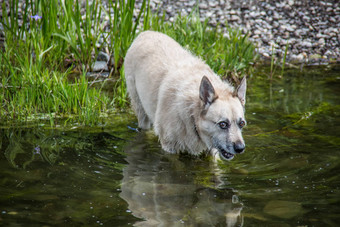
(239, 147)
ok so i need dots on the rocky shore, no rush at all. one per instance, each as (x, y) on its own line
(310, 27)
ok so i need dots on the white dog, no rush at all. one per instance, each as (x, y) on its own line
(189, 106)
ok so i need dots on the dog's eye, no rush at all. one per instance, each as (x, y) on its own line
(223, 125)
(242, 124)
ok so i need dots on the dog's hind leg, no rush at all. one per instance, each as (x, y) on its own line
(143, 119)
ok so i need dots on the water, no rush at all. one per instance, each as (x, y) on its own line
(114, 176)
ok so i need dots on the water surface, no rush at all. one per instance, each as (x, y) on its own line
(112, 175)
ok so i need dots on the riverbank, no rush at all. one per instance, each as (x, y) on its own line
(310, 28)
(53, 53)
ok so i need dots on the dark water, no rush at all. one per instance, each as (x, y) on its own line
(113, 176)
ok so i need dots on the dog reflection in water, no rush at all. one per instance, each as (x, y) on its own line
(168, 190)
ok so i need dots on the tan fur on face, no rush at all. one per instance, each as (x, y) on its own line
(163, 82)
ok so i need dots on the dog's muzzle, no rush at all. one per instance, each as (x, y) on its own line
(239, 147)
(231, 151)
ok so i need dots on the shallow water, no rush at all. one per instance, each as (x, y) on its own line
(112, 175)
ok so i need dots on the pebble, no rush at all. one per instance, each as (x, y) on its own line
(321, 42)
(100, 66)
(102, 56)
(306, 44)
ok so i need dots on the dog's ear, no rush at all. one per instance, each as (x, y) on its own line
(207, 92)
(241, 91)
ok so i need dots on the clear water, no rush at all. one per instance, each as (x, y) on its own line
(114, 176)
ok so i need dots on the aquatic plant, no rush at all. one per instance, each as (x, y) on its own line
(274, 61)
(284, 59)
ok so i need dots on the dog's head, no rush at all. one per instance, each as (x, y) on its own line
(222, 119)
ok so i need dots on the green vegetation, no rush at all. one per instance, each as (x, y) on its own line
(274, 61)
(50, 40)
(228, 55)
(284, 59)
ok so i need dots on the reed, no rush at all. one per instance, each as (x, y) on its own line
(284, 59)
(81, 33)
(123, 30)
(272, 62)
(229, 53)
(55, 38)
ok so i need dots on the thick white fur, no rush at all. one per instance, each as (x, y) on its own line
(163, 81)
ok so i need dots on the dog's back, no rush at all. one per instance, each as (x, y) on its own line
(149, 59)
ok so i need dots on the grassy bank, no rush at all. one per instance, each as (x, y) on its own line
(46, 41)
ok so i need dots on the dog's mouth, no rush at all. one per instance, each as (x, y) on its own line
(226, 155)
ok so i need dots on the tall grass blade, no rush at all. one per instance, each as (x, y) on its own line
(284, 59)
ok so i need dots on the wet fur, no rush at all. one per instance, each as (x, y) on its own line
(181, 97)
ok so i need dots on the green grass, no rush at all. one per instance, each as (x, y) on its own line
(39, 54)
(228, 55)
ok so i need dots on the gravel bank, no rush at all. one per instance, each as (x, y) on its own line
(310, 27)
